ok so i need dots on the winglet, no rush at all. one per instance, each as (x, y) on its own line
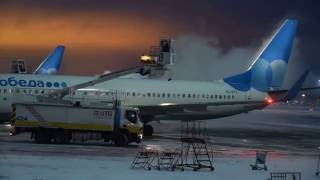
(287, 95)
(295, 89)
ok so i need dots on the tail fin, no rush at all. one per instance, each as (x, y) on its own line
(51, 64)
(268, 70)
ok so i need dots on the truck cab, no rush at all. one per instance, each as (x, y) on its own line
(130, 130)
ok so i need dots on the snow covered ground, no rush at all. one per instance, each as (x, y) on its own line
(92, 167)
(291, 134)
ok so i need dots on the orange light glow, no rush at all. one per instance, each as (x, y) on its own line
(268, 100)
(25, 28)
(145, 58)
(109, 39)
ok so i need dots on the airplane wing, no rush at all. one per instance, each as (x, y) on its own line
(197, 111)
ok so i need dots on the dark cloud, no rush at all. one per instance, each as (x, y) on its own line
(229, 24)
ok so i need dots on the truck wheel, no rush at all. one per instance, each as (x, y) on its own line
(61, 140)
(62, 137)
(147, 130)
(41, 138)
(121, 139)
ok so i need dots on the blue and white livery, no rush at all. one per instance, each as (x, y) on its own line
(268, 70)
(51, 65)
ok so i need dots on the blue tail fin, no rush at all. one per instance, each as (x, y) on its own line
(268, 70)
(51, 64)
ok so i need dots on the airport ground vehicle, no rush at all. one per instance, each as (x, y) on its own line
(61, 123)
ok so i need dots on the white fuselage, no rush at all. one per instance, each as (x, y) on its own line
(217, 95)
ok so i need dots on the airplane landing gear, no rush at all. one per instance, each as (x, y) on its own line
(147, 130)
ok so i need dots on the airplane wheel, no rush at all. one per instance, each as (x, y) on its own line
(147, 130)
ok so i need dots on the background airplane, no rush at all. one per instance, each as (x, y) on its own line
(51, 65)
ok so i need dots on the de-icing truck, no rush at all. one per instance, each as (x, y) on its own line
(62, 123)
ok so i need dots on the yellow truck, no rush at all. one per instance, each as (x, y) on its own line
(62, 123)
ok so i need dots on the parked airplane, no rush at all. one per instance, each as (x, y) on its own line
(51, 64)
(169, 100)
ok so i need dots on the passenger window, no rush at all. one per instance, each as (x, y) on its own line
(128, 93)
(153, 94)
(168, 95)
(224, 96)
(163, 95)
(5, 91)
(17, 91)
(220, 97)
(183, 95)
(131, 116)
(194, 96)
(133, 94)
(216, 96)
(189, 95)
(211, 96)
(149, 94)
(202, 95)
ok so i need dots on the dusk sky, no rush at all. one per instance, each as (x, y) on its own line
(110, 35)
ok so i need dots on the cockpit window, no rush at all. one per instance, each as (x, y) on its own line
(131, 116)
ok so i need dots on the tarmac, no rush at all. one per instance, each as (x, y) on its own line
(291, 135)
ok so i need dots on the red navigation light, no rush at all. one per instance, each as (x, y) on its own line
(268, 100)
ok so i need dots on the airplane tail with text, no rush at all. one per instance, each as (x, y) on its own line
(51, 64)
(268, 70)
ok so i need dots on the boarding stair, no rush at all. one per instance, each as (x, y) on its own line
(195, 146)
